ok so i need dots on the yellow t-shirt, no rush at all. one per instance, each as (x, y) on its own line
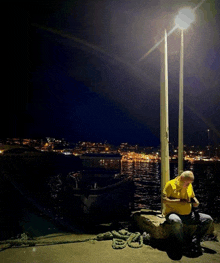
(173, 189)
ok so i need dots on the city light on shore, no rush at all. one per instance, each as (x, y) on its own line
(129, 153)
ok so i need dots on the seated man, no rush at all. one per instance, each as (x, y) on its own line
(178, 198)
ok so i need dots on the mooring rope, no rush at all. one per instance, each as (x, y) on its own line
(20, 242)
(120, 240)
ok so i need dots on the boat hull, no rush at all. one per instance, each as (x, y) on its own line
(104, 204)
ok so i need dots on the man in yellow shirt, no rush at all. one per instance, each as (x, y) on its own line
(178, 200)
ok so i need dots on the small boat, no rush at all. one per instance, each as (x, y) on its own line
(99, 190)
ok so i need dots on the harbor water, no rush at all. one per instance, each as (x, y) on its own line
(28, 201)
(147, 178)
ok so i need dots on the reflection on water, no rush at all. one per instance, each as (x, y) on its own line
(147, 177)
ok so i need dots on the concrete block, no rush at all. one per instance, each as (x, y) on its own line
(154, 223)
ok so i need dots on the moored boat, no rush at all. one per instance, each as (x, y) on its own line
(99, 190)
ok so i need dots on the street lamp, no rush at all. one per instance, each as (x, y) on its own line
(183, 20)
(208, 136)
(208, 142)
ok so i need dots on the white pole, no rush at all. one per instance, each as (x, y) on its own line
(164, 123)
(180, 137)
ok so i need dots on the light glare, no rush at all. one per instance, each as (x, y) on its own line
(185, 18)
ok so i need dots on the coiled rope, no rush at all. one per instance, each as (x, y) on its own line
(122, 238)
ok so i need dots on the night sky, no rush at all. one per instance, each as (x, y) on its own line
(72, 71)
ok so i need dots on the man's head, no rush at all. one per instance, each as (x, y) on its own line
(186, 178)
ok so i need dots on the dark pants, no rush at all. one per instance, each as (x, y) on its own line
(202, 221)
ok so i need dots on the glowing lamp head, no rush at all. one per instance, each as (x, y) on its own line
(185, 18)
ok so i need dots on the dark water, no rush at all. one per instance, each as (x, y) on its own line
(33, 200)
(147, 180)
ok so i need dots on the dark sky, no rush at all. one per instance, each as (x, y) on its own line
(72, 71)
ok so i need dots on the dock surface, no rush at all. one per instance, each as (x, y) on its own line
(94, 251)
